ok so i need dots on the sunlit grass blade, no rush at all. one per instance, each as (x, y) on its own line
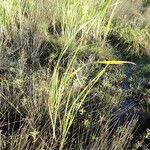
(115, 62)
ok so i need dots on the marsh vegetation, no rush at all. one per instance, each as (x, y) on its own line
(68, 79)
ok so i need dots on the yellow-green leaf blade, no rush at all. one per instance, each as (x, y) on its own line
(115, 62)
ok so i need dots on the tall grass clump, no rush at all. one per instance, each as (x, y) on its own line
(77, 18)
(13, 14)
(84, 19)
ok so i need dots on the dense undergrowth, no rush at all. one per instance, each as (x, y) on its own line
(56, 90)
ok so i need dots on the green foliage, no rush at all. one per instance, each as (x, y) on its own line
(146, 3)
(135, 39)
